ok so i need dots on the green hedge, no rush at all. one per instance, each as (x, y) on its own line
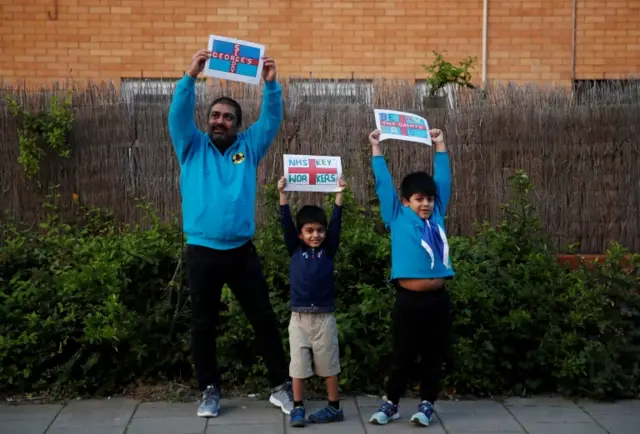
(90, 306)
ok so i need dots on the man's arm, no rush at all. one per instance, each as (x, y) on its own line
(389, 201)
(441, 171)
(261, 134)
(182, 126)
(288, 228)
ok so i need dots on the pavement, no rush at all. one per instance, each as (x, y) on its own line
(539, 415)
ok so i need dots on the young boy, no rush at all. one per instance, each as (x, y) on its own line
(420, 264)
(313, 333)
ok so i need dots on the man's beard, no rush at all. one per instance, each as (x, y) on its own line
(222, 142)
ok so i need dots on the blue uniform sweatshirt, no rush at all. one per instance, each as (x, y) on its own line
(219, 189)
(311, 278)
(411, 256)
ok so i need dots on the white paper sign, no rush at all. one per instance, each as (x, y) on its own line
(402, 126)
(312, 173)
(233, 59)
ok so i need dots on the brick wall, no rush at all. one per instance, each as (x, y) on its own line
(109, 39)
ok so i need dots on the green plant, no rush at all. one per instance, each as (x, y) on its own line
(443, 72)
(90, 305)
(49, 127)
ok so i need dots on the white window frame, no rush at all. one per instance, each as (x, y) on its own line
(360, 91)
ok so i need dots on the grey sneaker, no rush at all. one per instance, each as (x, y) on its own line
(282, 396)
(210, 405)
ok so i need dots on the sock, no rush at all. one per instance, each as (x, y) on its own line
(298, 403)
(335, 404)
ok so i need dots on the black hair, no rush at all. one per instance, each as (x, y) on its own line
(310, 214)
(419, 183)
(231, 102)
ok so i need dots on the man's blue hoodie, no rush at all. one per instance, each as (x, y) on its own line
(219, 189)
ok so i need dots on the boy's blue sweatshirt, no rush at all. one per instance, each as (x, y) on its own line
(311, 269)
(410, 257)
(219, 189)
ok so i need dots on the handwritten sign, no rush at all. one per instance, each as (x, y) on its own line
(312, 173)
(402, 126)
(233, 59)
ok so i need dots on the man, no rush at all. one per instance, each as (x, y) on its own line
(218, 186)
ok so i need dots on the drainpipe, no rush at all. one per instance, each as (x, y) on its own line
(485, 19)
(573, 41)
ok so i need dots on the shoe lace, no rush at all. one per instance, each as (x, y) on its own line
(388, 408)
(210, 395)
(426, 408)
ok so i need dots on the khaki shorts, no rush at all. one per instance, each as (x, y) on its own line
(313, 337)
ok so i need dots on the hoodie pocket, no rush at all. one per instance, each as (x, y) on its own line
(239, 219)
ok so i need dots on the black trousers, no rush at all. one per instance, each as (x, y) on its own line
(208, 270)
(421, 324)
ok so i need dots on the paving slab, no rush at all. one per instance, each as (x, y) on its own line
(27, 419)
(247, 429)
(551, 415)
(246, 411)
(481, 416)
(95, 416)
(621, 417)
(167, 418)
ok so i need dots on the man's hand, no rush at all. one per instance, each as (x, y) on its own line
(197, 63)
(282, 183)
(438, 139)
(268, 69)
(374, 141)
(342, 185)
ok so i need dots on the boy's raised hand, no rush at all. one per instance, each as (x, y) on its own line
(437, 137)
(374, 138)
(342, 184)
(374, 141)
(282, 183)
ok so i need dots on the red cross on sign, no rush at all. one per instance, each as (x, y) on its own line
(403, 125)
(313, 171)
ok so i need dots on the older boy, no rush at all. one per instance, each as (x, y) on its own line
(420, 264)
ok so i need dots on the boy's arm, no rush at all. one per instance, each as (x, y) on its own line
(389, 202)
(334, 229)
(262, 133)
(442, 171)
(288, 229)
(182, 127)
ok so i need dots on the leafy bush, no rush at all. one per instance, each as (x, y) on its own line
(90, 305)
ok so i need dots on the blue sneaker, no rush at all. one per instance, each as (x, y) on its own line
(385, 414)
(297, 417)
(424, 415)
(210, 405)
(326, 415)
